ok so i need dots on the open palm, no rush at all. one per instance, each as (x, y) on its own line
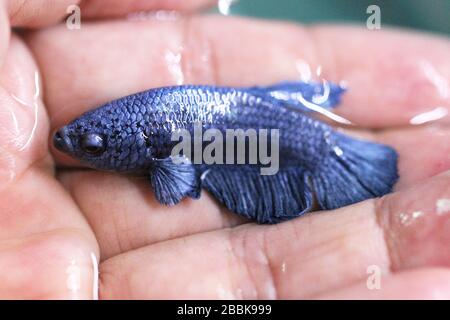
(54, 222)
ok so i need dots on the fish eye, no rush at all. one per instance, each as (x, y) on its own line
(93, 143)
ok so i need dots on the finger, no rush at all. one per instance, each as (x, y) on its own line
(54, 265)
(301, 258)
(423, 152)
(388, 83)
(23, 119)
(46, 246)
(97, 8)
(422, 284)
(416, 223)
(4, 31)
(46, 12)
(141, 220)
(298, 259)
(397, 78)
(37, 13)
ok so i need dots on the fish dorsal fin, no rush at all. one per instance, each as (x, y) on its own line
(323, 94)
(304, 97)
(265, 198)
(173, 180)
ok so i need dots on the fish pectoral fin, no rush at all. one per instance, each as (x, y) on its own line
(173, 180)
(266, 198)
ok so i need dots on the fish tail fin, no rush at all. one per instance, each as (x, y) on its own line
(356, 170)
(299, 94)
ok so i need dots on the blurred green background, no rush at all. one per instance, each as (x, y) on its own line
(429, 15)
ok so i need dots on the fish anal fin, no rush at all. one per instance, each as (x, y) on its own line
(264, 198)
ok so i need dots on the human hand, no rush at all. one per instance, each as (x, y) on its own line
(54, 222)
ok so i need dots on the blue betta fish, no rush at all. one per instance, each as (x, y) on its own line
(318, 166)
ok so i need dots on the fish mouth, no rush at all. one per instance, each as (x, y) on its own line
(61, 140)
